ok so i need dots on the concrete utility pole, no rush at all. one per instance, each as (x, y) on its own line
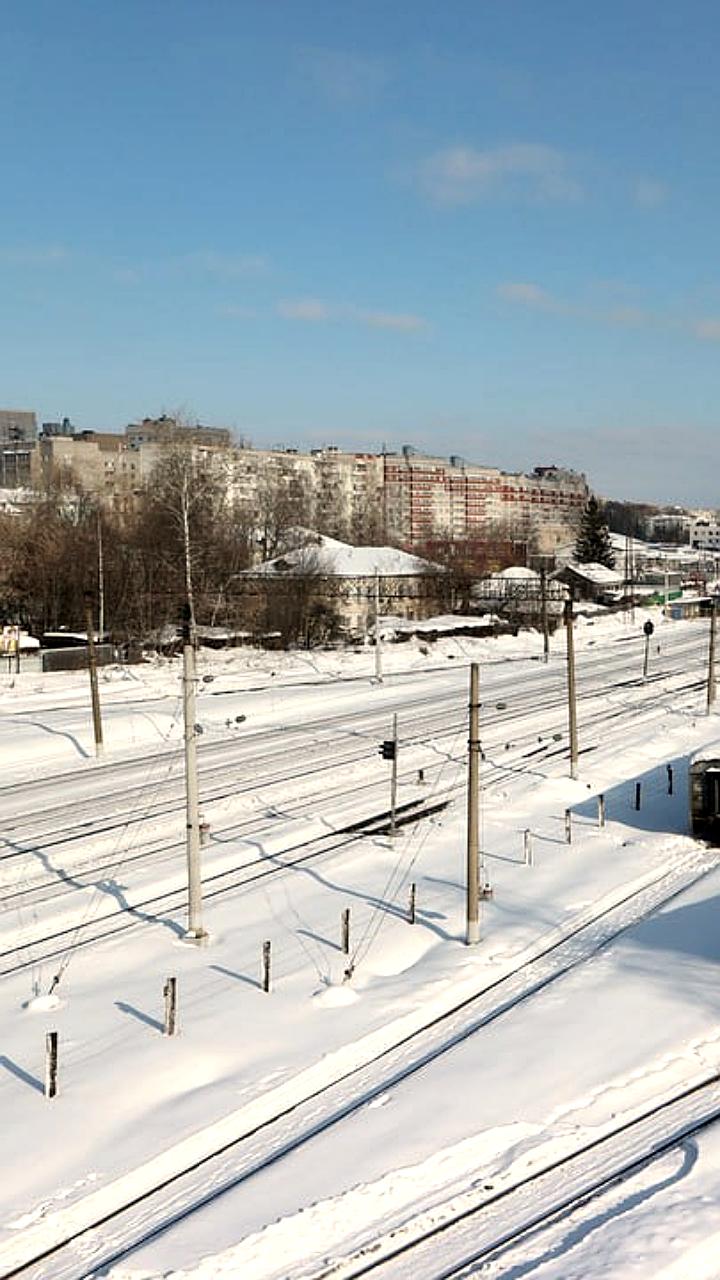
(101, 580)
(711, 659)
(472, 934)
(195, 931)
(572, 704)
(544, 614)
(92, 666)
(378, 646)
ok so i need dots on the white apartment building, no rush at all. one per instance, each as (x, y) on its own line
(705, 534)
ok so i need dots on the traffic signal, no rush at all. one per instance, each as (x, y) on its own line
(388, 749)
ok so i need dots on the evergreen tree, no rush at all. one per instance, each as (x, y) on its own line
(593, 545)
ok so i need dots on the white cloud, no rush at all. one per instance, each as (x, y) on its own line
(226, 266)
(647, 193)
(526, 171)
(34, 255)
(342, 77)
(305, 309)
(529, 295)
(628, 316)
(403, 321)
(313, 311)
(708, 330)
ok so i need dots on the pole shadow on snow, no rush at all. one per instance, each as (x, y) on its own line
(60, 733)
(20, 1073)
(658, 811)
(111, 887)
(239, 977)
(149, 1021)
(578, 1234)
(318, 937)
(398, 910)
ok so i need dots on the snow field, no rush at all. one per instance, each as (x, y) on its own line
(237, 1045)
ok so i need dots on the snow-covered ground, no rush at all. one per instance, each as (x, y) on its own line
(568, 1038)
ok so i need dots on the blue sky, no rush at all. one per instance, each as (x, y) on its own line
(484, 227)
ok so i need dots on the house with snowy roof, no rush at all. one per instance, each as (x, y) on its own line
(339, 586)
(592, 581)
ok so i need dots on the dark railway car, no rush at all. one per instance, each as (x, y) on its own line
(704, 778)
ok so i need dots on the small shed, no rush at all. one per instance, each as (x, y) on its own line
(592, 582)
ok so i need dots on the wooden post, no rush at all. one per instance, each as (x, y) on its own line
(92, 667)
(669, 779)
(472, 933)
(170, 994)
(51, 1064)
(411, 906)
(266, 966)
(601, 811)
(421, 775)
(345, 929)
(638, 789)
(568, 826)
(527, 847)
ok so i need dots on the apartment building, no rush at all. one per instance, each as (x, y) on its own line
(97, 462)
(428, 498)
(341, 492)
(405, 497)
(705, 534)
(18, 436)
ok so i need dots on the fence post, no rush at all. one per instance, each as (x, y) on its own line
(345, 922)
(266, 949)
(170, 994)
(601, 811)
(638, 789)
(669, 779)
(527, 847)
(411, 906)
(51, 1064)
(568, 826)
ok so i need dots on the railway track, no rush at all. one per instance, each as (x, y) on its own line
(217, 755)
(31, 951)
(109, 1225)
(497, 1220)
(158, 907)
(27, 841)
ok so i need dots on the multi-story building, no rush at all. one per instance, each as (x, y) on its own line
(705, 534)
(18, 437)
(410, 498)
(428, 498)
(406, 497)
(340, 492)
(96, 462)
(164, 429)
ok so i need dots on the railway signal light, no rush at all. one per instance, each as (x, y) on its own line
(388, 749)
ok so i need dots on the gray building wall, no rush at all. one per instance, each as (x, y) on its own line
(18, 438)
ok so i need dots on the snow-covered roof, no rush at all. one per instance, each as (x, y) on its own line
(516, 572)
(444, 622)
(328, 556)
(597, 573)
